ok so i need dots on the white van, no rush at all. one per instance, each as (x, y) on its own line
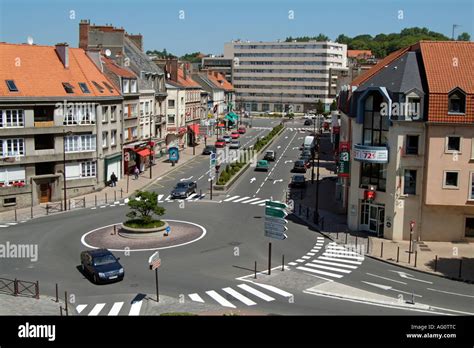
(308, 142)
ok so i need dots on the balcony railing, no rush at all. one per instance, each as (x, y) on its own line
(44, 124)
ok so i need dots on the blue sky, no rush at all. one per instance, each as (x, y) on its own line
(207, 24)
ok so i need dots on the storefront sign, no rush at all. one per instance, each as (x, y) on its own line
(173, 154)
(372, 154)
(344, 159)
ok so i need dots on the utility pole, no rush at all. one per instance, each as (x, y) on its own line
(312, 155)
(316, 206)
(151, 151)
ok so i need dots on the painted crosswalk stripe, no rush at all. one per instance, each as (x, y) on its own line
(334, 264)
(360, 258)
(275, 290)
(320, 238)
(311, 270)
(231, 198)
(305, 257)
(116, 308)
(80, 308)
(251, 200)
(339, 260)
(135, 308)
(12, 223)
(300, 260)
(239, 296)
(200, 197)
(97, 308)
(343, 252)
(221, 300)
(328, 268)
(93, 208)
(4, 226)
(310, 254)
(292, 263)
(192, 196)
(160, 197)
(241, 199)
(104, 206)
(256, 292)
(261, 202)
(196, 298)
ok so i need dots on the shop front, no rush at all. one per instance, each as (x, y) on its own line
(372, 217)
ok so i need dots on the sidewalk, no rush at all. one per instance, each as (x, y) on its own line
(447, 259)
(45, 305)
(108, 194)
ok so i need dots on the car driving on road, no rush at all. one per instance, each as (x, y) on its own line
(298, 181)
(220, 143)
(242, 130)
(262, 165)
(227, 138)
(209, 149)
(101, 265)
(270, 155)
(235, 135)
(184, 189)
(299, 167)
(234, 144)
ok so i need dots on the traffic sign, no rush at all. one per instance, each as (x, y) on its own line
(275, 220)
(276, 204)
(277, 235)
(277, 228)
(212, 159)
(275, 212)
(154, 261)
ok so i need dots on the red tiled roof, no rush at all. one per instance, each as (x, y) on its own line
(219, 80)
(39, 72)
(118, 70)
(357, 53)
(188, 82)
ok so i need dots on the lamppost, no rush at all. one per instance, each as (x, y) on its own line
(312, 156)
(150, 147)
(316, 205)
(64, 167)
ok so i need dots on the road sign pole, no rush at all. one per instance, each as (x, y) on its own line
(211, 189)
(157, 291)
(269, 258)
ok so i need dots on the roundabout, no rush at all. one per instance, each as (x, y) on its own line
(117, 238)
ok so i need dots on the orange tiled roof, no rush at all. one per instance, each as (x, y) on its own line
(39, 72)
(357, 53)
(118, 70)
(219, 80)
(448, 64)
(379, 66)
(188, 82)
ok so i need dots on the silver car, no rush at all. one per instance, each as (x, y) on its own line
(234, 144)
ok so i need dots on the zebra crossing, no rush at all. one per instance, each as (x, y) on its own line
(5, 224)
(301, 129)
(315, 249)
(247, 294)
(245, 200)
(335, 262)
(110, 309)
(194, 197)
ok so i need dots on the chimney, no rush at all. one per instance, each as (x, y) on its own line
(185, 71)
(172, 68)
(137, 40)
(84, 33)
(62, 50)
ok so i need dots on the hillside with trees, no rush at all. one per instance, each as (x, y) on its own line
(384, 44)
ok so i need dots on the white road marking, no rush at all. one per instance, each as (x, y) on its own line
(300, 260)
(196, 298)
(387, 287)
(274, 289)
(239, 296)
(256, 292)
(328, 268)
(104, 206)
(333, 264)
(451, 293)
(339, 260)
(310, 254)
(241, 199)
(319, 272)
(305, 257)
(168, 199)
(116, 308)
(409, 276)
(292, 263)
(343, 256)
(186, 179)
(97, 308)
(192, 196)
(135, 308)
(221, 300)
(452, 310)
(160, 197)
(231, 198)
(80, 308)
(4, 226)
(392, 280)
(251, 200)
(260, 202)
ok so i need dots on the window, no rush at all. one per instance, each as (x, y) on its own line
(147, 108)
(409, 186)
(450, 179)
(99, 87)
(84, 87)
(113, 137)
(133, 86)
(12, 176)
(373, 174)
(12, 118)
(171, 118)
(453, 143)
(44, 142)
(9, 201)
(469, 231)
(12, 147)
(134, 132)
(171, 103)
(80, 143)
(375, 125)
(111, 89)
(113, 113)
(142, 108)
(88, 169)
(104, 139)
(471, 186)
(411, 146)
(105, 110)
(11, 86)
(134, 110)
(457, 102)
(81, 114)
(125, 86)
(68, 87)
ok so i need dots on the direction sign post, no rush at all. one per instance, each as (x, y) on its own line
(155, 262)
(275, 220)
(212, 166)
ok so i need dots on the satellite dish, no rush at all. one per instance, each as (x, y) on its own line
(108, 52)
(29, 40)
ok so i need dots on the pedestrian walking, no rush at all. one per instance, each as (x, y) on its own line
(136, 172)
(113, 179)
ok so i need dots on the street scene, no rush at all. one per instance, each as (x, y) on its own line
(287, 174)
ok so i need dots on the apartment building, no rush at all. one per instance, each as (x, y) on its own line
(406, 145)
(53, 102)
(220, 64)
(276, 76)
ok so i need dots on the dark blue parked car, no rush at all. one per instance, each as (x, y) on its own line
(101, 265)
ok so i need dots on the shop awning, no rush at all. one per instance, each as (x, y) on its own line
(145, 152)
(194, 128)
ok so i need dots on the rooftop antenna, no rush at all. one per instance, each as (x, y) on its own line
(454, 27)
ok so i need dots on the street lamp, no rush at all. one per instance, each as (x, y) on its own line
(316, 205)
(64, 167)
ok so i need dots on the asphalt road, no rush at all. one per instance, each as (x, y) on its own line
(234, 241)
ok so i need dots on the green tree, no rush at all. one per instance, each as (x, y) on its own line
(464, 37)
(333, 106)
(319, 107)
(145, 206)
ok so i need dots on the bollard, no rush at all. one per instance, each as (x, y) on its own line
(416, 253)
(356, 241)
(409, 256)
(346, 238)
(37, 290)
(283, 262)
(57, 293)
(200, 193)
(436, 263)
(115, 229)
(95, 200)
(255, 277)
(121, 193)
(65, 301)
(337, 234)
(381, 250)
(460, 268)
(368, 241)
(398, 253)
(69, 204)
(16, 217)
(47, 209)
(106, 198)
(115, 195)
(61, 310)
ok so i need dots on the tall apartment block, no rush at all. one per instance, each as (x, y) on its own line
(272, 76)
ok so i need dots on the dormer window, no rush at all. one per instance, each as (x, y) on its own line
(111, 89)
(99, 87)
(84, 87)
(68, 87)
(11, 85)
(133, 86)
(457, 102)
